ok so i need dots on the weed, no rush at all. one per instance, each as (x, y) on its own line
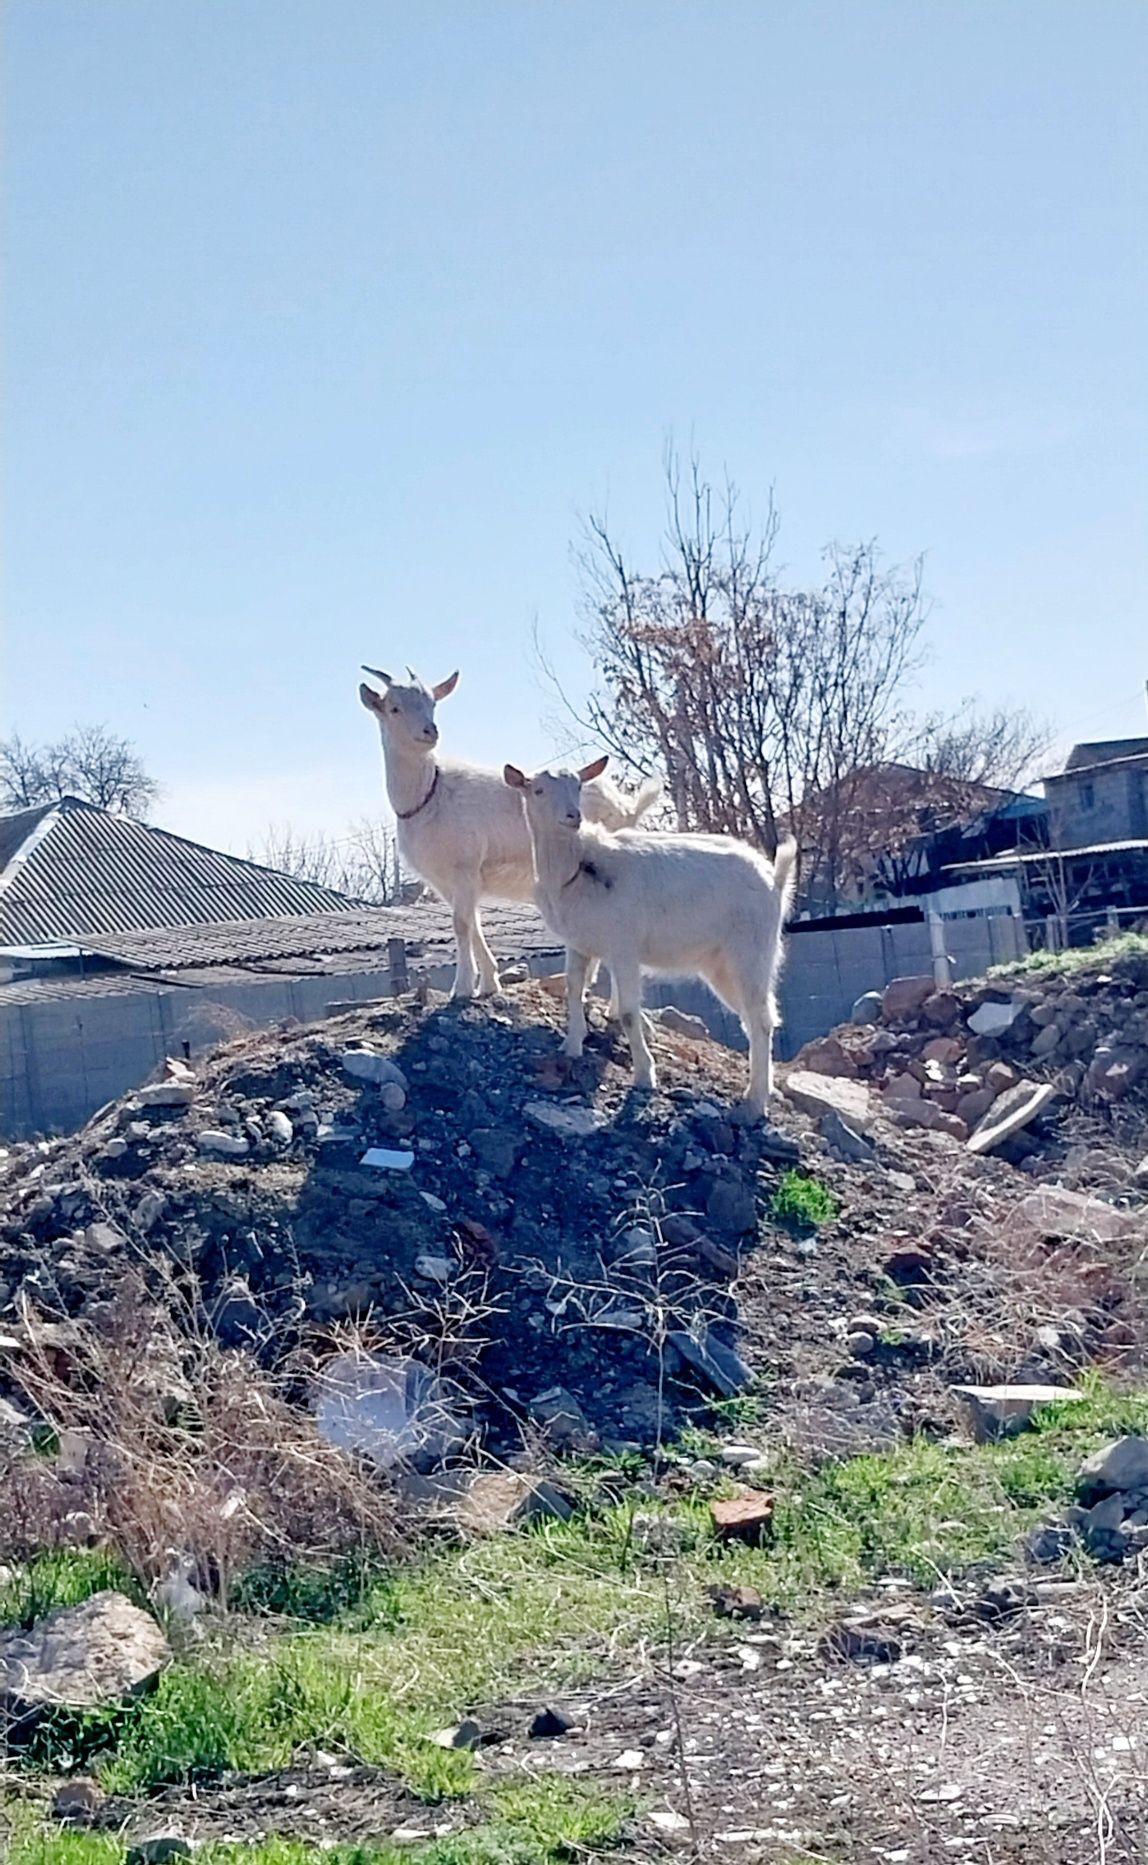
(802, 1203)
(1075, 958)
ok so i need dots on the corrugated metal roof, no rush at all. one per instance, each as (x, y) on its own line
(315, 936)
(1048, 855)
(74, 870)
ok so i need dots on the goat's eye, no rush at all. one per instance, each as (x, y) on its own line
(537, 791)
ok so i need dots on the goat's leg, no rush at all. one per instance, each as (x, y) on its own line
(761, 1025)
(463, 907)
(627, 978)
(577, 966)
(489, 980)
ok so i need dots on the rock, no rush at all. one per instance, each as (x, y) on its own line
(732, 1207)
(1052, 1542)
(1141, 1172)
(115, 1148)
(1017, 1107)
(365, 1065)
(438, 1269)
(562, 1419)
(774, 1145)
(742, 1602)
(569, 1123)
(279, 1128)
(911, 1266)
(904, 997)
(999, 1411)
(1045, 1040)
(498, 1500)
(1117, 1068)
(225, 1145)
(175, 1095)
(826, 1055)
(1121, 1465)
(867, 1008)
(973, 1106)
(943, 1049)
(496, 1149)
(81, 1657)
(817, 1094)
(467, 1734)
(860, 1640)
(860, 1343)
(993, 1018)
(393, 1097)
(941, 1009)
(682, 1024)
(901, 1088)
(389, 1409)
(928, 1114)
(158, 1848)
(999, 1076)
(1055, 1211)
(735, 1455)
(75, 1802)
(547, 1724)
(844, 1141)
(743, 1518)
(718, 1364)
(150, 1209)
(15, 1426)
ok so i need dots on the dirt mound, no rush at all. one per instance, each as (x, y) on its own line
(581, 1263)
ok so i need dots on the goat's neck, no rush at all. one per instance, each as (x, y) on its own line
(410, 774)
(557, 859)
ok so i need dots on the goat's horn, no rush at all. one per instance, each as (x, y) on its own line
(377, 674)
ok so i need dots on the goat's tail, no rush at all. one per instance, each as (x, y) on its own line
(784, 880)
(647, 796)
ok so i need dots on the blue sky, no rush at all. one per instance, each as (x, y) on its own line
(327, 318)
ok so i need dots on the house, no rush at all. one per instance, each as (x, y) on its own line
(121, 943)
(1094, 873)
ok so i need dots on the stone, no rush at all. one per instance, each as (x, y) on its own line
(999, 1411)
(1141, 1172)
(845, 1141)
(224, 1145)
(774, 1145)
(15, 1426)
(1054, 1541)
(815, 1094)
(365, 1065)
(941, 1009)
(732, 1207)
(743, 1518)
(1120, 1465)
(681, 1023)
(735, 1455)
(104, 1239)
(81, 1657)
(1045, 1040)
(827, 1055)
(943, 1049)
(568, 1123)
(389, 1409)
(562, 1419)
(860, 1640)
(928, 1114)
(867, 1008)
(548, 1724)
(498, 1500)
(1117, 1068)
(467, 1735)
(999, 1076)
(973, 1106)
(438, 1269)
(388, 1158)
(993, 1018)
(150, 1209)
(175, 1095)
(115, 1148)
(718, 1364)
(75, 1802)
(901, 1088)
(1055, 1211)
(158, 1848)
(729, 1602)
(280, 1130)
(905, 996)
(496, 1149)
(1017, 1108)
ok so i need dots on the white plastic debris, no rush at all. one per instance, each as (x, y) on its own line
(386, 1160)
(389, 1409)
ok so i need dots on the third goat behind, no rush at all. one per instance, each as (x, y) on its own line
(697, 905)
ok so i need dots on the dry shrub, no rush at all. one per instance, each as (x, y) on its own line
(169, 1443)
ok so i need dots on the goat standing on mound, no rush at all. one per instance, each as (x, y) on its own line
(459, 827)
(701, 905)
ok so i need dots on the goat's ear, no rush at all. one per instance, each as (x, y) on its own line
(377, 673)
(513, 776)
(590, 771)
(445, 687)
(371, 700)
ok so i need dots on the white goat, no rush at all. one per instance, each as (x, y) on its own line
(458, 825)
(702, 905)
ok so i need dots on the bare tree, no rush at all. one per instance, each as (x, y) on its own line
(1001, 748)
(363, 863)
(90, 762)
(758, 703)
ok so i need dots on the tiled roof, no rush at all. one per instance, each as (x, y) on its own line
(72, 870)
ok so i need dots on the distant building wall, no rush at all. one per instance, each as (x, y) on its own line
(62, 1058)
(1106, 803)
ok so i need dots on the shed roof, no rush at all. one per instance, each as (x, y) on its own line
(70, 870)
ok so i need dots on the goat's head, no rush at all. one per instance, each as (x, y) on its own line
(405, 714)
(553, 798)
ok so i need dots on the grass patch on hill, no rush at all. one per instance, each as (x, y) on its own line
(1075, 958)
(550, 1607)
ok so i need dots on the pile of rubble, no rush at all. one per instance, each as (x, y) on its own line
(981, 1062)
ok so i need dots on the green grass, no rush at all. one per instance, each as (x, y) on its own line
(1075, 958)
(541, 1610)
(61, 1579)
(540, 1822)
(802, 1202)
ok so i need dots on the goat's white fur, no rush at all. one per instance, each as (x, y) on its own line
(699, 905)
(469, 841)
